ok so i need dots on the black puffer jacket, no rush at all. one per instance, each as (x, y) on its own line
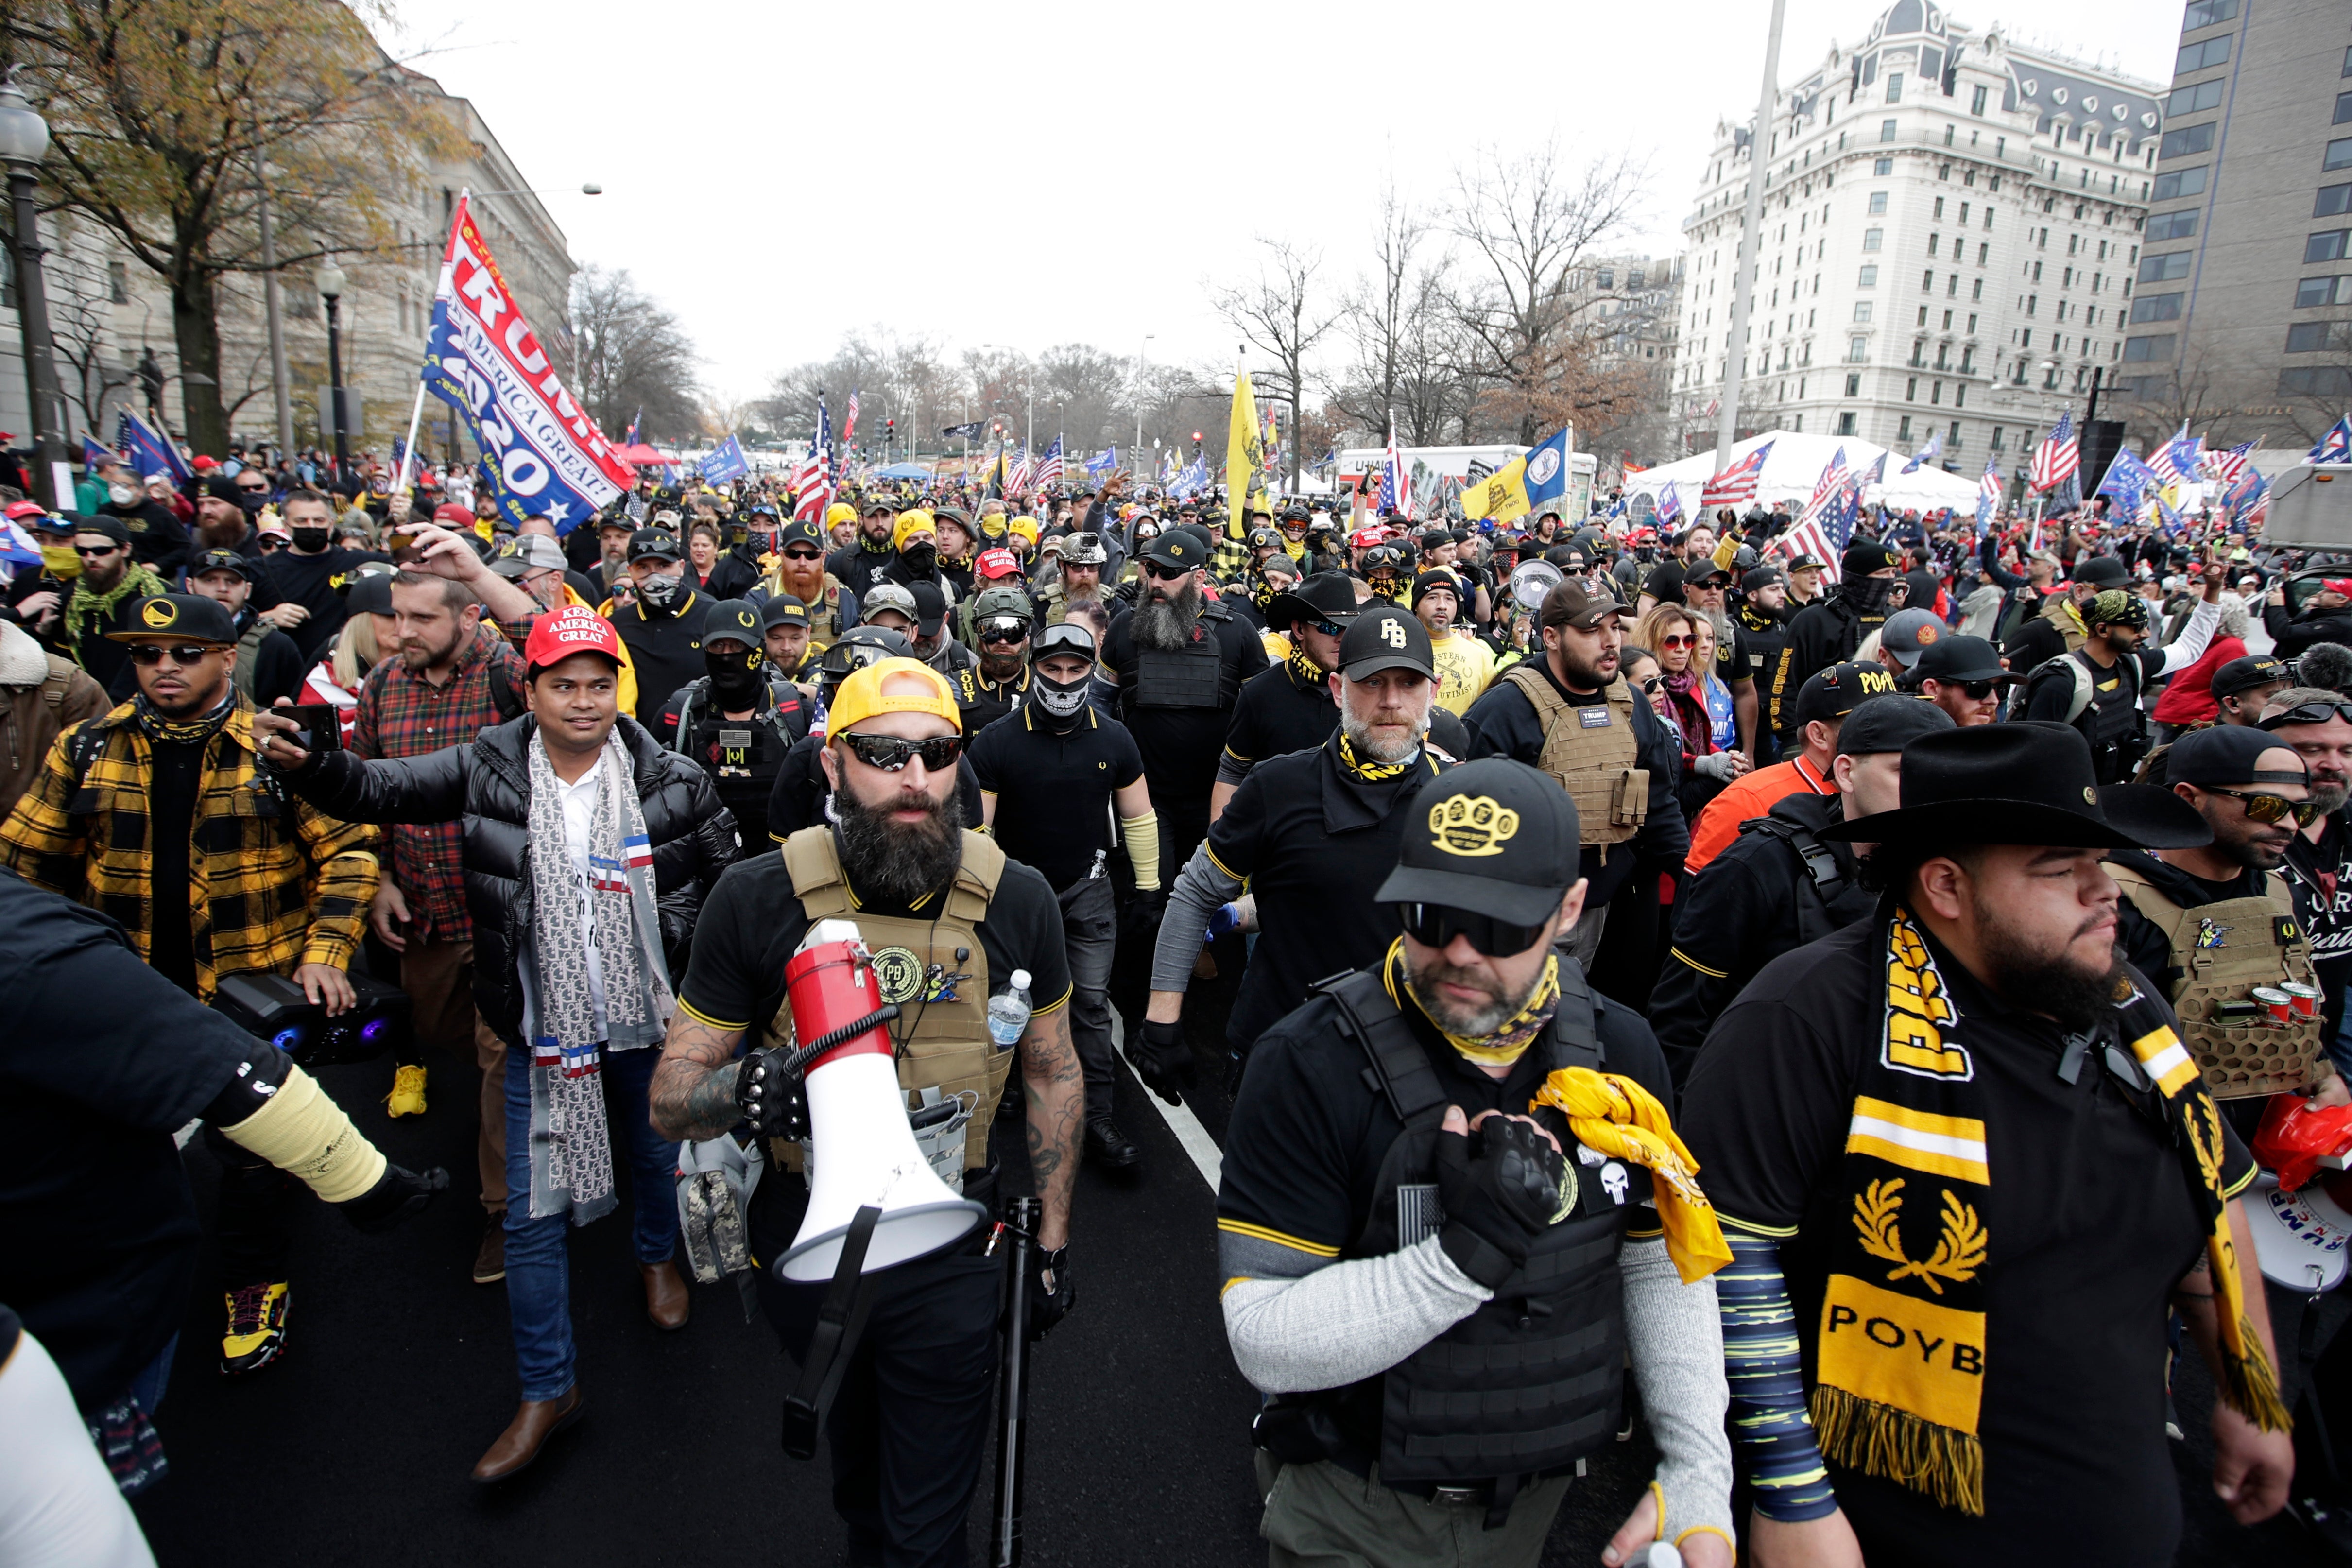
(487, 785)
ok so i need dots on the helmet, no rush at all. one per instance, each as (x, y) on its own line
(1084, 550)
(859, 646)
(1264, 538)
(995, 601)
(1063, 636)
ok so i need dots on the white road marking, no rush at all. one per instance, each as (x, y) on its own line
(1206, 1157)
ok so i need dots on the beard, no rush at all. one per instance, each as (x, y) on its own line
(2029, 973)
(226, 534)
(1077, 593)
(1583, 675)
(1387, 752)
(1456, 1019)
(1164, 622)
(416, 655)
(898, 862)
(1000, 666)
(2328, 795)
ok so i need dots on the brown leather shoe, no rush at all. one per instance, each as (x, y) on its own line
(666, 1300)
(527, 1434)
(490, 1258)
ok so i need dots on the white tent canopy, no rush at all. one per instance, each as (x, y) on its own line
(1794, 467)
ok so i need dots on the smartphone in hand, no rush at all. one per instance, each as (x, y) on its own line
(321, 722)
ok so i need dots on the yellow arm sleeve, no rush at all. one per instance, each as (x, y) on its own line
(308, 1135)
(1142, 833)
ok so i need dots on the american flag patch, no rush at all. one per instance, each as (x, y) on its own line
(545, 1052)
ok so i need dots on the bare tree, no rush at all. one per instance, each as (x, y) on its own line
(1531, 226)
(1280, 313)
(632, 355)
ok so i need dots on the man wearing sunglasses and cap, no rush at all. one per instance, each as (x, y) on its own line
(2319, 724)
(950, 921)
(2096, 687)
(801, 794)
(2058, 626)
(1449, 1167)
(1968, 1170)
(798, 568)
(2325, 616)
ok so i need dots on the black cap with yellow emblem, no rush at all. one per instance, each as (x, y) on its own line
(1177, 547)
(1494, 837)
(176, 618)
(736, 619)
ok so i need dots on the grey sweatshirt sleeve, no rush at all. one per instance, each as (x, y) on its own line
(1348, 1320)
(1200, 890)
(1677, 1341)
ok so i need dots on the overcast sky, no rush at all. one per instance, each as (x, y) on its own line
(1044, 173)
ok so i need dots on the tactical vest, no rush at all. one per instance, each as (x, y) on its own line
(1534, 1379)
(1594, 763)
(1193, 676)
(743, 756)
(2115, 729)
(2060, 612)
(2221, 952)
(935, 970)
(824, 624)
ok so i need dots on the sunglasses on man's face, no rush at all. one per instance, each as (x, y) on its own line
(1160, 573)
(803, 555)
(890, 755)
(97, 551)
(1978, 691)
(2267, 808)
(1004, 634)
(254, 490)
(1436, 925)
(144, 653)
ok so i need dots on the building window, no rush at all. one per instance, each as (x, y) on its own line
(2326, 246)
(2191, 139)
(2207, 13)
(1868, 278)
(1606, 277)
(1977, 101)
(2171, 226)
(1857, 350)
(2332, 200)
(2148, 351)
(2164, 268)
(2180, 183)
(1853, 384)
(1936, 392)
(1887, 131)
(1845, 425)
(1882, 166)
(2317, 381)
(1634, 279)
(2310, 337)
(1877, 203)
(2158, 308)
(1940, 210)
(1893, 86)
(1861, 312)
(1902, 431)
(1873, 239)
(2200, 57)
(118, 282)
(2347, 61)
(2196, 100)
(2343, 107)
(1910, 389)
(2323, 292)
(2339, 154)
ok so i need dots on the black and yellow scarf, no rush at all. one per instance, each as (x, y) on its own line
(1306, 671)
(1900, 1345)
(1370, 773)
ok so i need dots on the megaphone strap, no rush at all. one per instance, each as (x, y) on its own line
(839, 1322)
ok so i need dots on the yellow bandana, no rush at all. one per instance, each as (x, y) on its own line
(1506, 1044)
(1611, 1114)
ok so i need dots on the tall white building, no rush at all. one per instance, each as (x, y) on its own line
(1951, 227)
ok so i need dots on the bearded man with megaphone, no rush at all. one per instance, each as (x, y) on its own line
(944, 923)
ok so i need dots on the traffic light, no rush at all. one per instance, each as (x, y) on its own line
(890, 427)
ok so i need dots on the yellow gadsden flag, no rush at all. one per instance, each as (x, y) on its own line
(1244, 458)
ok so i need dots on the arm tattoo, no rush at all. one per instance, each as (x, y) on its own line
(1053, 1085)
(693, 1090)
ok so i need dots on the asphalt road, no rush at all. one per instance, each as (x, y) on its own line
(354, 1449)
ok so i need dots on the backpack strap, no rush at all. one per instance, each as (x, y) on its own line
(57, 681)
(1397, 1067)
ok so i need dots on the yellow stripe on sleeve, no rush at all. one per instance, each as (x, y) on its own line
(1242, 1228)
(1694, 963)
(699, 1017)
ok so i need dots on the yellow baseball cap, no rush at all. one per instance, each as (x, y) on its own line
(920, 690)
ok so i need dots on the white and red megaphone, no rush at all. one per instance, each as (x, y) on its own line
(865, 1154)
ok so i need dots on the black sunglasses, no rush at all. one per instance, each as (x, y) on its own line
(1436, 925)
(144, 653)
(891, 754)
(803, 555)
(2264, 807)
(1004, 634)
(1159, 574)
(98, 550)
(2310, 713)
(1978, 691)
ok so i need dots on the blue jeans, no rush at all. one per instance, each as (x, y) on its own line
(539, 1271)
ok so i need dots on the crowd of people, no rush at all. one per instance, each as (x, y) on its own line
(1818, 987)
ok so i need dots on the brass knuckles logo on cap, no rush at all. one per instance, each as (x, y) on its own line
(1472, 824)
(159, 613)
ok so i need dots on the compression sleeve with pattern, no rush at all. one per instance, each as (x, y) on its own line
(1762, 1362)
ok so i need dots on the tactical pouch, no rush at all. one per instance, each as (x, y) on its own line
(1628, 802)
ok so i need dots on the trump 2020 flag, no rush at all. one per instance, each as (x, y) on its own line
(149, 452)
(481, 358)
(725, 462)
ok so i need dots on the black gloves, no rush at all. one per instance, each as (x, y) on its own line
(397, 1194)
(1163, 1060)
(773, 1102)
(1047, 1307)
(1143, 915)
(1498, 1198)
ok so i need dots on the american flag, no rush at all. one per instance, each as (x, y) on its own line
(813, 483)
(1049, 471)
(2058, 457)
(1826, 489)
(2227, 465)
(1017, 482)
(850, 426)
(1987, 494)
(1738, 482)
(1818, 532)
(2177, 459)
(1396, 484)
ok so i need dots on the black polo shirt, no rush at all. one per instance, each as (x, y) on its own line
(1315, 846)
(2089, 1217)
(1181, 745)
(665, 650)
(798, 799)
(984, 701)
(318, 584)
(1053, 791)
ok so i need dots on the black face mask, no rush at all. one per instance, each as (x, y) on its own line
(311, 541)
(735, 677)
(1870, 595)
(252, 500)
(920, 556)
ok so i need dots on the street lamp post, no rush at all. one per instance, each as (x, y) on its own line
(23, 142)
(1139, 354)
(331, 282)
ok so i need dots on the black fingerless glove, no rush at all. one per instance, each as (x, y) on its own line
(1046, 1308)
(1165, 1061)
(773, 1102)
(396, 1195)
(1498, 1198)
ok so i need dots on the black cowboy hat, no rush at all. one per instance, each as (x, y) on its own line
(2025, 782)
(1324, 596)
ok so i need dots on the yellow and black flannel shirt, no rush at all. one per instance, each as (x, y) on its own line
(263, 895)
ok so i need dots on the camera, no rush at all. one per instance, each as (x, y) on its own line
(273, 1008)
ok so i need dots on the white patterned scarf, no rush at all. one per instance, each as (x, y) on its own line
(571, 1147)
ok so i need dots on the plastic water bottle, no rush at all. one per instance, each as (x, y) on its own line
(1008, 1012)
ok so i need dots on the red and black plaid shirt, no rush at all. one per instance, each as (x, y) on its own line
(402, 714)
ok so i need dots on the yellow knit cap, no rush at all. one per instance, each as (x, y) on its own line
(909, 524)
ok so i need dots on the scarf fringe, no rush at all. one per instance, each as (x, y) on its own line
(2249, 1383)
(1944, 1466)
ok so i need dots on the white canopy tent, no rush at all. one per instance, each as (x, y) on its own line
(1794, 467)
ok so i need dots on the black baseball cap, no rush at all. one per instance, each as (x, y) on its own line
(1705, 571)
(1865, 556)
(1385, 637)
(220, 561)
(1762, 577)
(2103, 571)
(110, 526)
(1888, 724)
(178, 617)
(1803, 562)
(782, 609)
(370, 593)
(1177, 547)
(1834, 692)
(2245, 675)
(1494, 837)
(653, 544)
(2228, 754)
(736, 619)
(1960, 659)
(801, 530)
(930, 606)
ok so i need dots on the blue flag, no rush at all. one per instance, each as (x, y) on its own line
(725, 462)
(2127, 482)
(94, 455)
(2336, 447)
(1102, 462)
(1547, 471)
(149, 452)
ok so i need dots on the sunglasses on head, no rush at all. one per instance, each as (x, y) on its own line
(144, 653)
(2268, 808)
(2310, 713)
(891, 754)
(1436, 925)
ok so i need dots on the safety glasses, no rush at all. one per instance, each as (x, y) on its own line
(890, 755)
(1436, 925)
(1006, 632)
(144, 653)
(2310, 713)
(2268, 808)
